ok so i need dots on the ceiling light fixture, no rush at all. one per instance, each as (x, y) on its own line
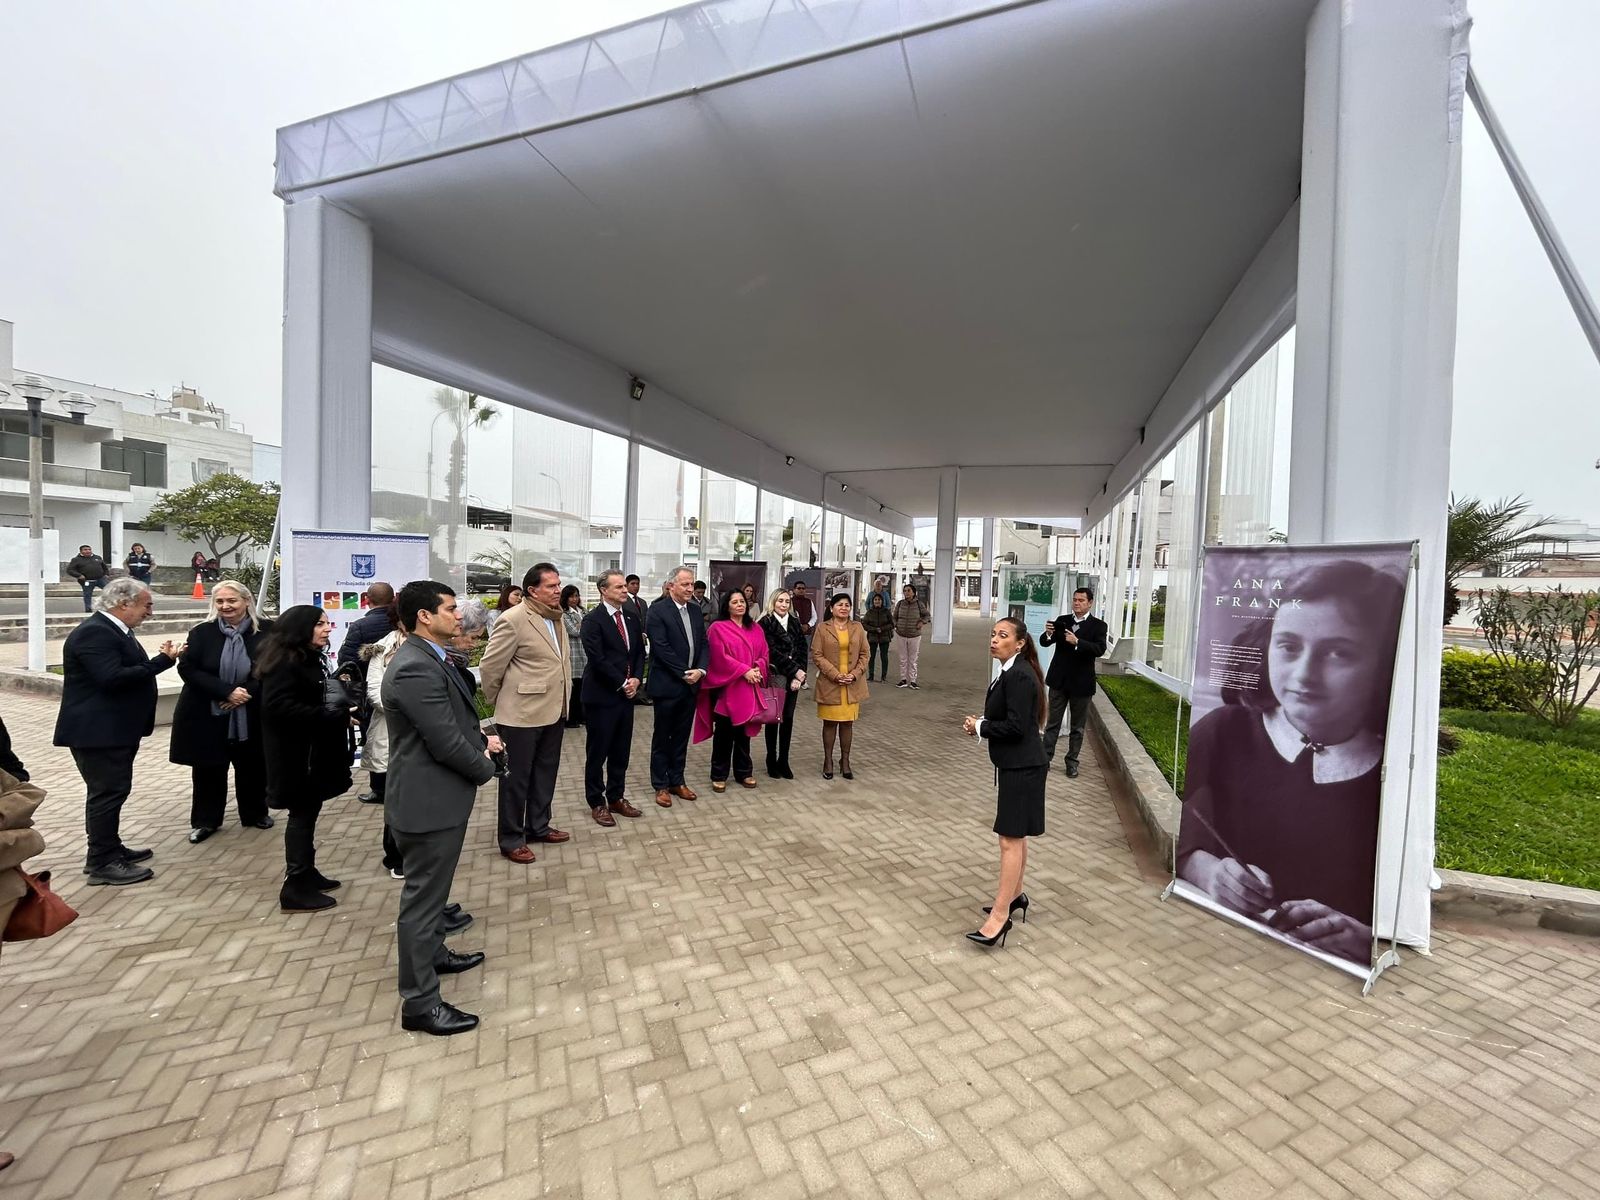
(788, 460)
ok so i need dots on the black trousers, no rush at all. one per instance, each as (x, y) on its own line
(729, 741)
(575, 704)
(669, 741)
(605, 766)
(1059, 704)
(527, 790)
(430, 867)
(778, 735)
(874, 649)
(209, 808)
(300, 838)
(108, 775)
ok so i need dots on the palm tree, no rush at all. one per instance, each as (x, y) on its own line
(1478, 534)
(462, 411)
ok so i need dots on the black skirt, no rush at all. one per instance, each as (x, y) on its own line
(1019, 809)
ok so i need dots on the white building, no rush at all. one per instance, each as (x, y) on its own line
(101, 477)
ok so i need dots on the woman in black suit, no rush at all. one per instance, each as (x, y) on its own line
(1012, 715)
(307, 751)
(218, 719)
(788, 652)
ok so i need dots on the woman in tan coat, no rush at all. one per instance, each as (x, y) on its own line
(839, 653)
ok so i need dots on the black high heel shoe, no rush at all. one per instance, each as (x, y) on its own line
(1020, 902)
(844, 768)
(827, 768)
(1000, 937)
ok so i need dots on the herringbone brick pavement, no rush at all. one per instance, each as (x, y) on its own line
(766, 994)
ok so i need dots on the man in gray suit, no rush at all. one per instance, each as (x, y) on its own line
(438, 758)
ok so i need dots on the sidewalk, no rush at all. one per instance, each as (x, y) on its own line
(762, 995)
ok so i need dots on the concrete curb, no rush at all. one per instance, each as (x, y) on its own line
(1520, 903)
(39, 683)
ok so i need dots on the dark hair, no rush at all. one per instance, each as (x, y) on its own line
(420, 595)
(569, 592)
(838, 596)
(289, 640)
(1088, 592)
(876, 600)
(699, 585)
(536, 574)
(505, 595)
(1030, 655)
(135, 546)
(631, 579)
(727, 598)
(1376, 595)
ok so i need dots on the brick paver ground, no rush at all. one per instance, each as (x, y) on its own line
(766, 994)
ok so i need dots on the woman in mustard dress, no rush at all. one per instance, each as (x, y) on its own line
(839, 652)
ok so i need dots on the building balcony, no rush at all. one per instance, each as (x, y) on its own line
(64, 482)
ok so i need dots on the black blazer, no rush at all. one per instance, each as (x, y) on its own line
(307, 750)
(200, 739)
(670, 654)
(789, 651)
(610, 662)
(108, 697)
(1072, 667)
(1011, 719)
(373, 627)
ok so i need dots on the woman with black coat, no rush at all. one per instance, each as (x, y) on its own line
(1013, 712)
(306, 744)
(218, 718)
(788, 652)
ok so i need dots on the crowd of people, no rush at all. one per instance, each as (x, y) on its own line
(263, 698)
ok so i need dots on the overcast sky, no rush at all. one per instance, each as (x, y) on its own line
(141, 244)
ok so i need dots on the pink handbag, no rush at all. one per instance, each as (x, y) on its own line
(772, 701)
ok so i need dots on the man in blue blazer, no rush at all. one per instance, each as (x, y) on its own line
(613, 639)
(679, 656)
(108, 705)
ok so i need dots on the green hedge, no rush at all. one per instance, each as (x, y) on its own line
(1481, 682)
(1152, 713)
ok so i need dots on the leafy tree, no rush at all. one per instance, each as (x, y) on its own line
(1479, 533)
(1547, 641)
(461, 411)
(223, 512)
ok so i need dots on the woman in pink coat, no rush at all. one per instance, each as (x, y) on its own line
(729, 702)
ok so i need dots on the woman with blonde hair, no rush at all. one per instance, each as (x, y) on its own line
(218, 719)
(788, 653)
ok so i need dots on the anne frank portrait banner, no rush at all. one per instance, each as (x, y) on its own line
(1293, 666)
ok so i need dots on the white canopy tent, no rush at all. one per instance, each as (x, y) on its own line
(959, 257)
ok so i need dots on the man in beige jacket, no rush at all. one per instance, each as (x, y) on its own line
(526, 674)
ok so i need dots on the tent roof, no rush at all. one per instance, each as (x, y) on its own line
(884, 236)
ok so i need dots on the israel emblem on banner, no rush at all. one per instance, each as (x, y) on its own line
(363, 566)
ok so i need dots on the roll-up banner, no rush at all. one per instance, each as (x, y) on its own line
(1294, 664)
(334, 568)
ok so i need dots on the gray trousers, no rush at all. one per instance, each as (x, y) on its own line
(528, 789)
(1059, 703)
(430, 866)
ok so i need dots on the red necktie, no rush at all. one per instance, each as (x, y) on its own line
(620, 628)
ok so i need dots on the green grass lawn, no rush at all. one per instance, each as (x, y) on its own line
(1517, 798)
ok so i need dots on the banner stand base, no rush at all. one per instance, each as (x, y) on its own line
(1166, 892)
(1389, 958)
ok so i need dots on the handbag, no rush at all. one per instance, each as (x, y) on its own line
(772, 701)
(40, 913)
(338, 696)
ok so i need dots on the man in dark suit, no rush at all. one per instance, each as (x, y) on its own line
(679, 657)
(613, 639)
(373, 627)
(438, 758)
(108, 704)
(1079, 639)
(640, 608)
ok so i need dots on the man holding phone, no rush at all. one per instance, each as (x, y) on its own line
(1079, 639)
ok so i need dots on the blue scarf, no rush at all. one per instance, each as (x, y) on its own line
(233, 671)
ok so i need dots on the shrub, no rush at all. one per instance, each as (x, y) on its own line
(1483, 683)
(1557, 633)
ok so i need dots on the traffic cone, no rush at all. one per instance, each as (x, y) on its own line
(199, 592)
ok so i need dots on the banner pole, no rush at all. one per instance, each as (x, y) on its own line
(1177, 733)
(1391, 956)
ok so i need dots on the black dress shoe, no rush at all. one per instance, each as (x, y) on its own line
(1072, 770)
(117, 874)
(453, 963)
(199, 834)
(441, 1020)
(453, 923)
(370, 798)
(129, 855)
(451, 909)
(322, 883)
(262, 823)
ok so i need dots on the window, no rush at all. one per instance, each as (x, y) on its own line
(145, 462)
(14, 439)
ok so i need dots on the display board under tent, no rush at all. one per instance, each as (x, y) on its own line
(1034, 595)
(333, 569)
(731, 575)
(1288, 819)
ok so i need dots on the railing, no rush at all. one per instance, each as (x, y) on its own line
(86, 477)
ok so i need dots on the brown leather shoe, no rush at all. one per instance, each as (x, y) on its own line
(683, 793)
(602, 816)
(553, 836)
(719, 786)
(749, 781)
(626, 809)
(522, 854)
(664, 798)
